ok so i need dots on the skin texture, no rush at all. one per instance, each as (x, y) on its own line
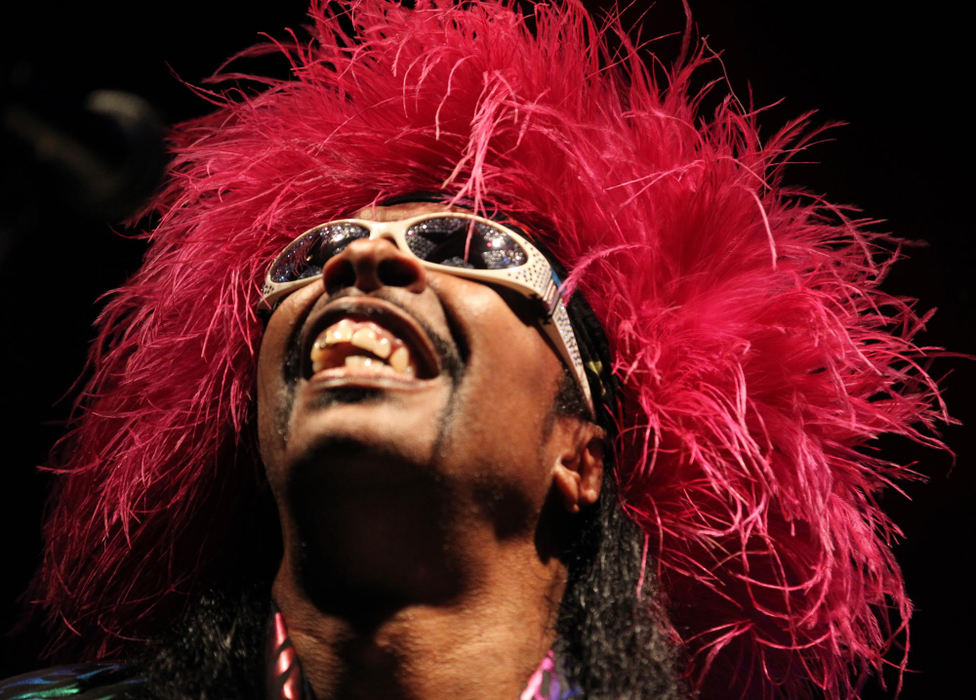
(421, 518)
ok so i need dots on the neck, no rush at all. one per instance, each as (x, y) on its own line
(484, 642)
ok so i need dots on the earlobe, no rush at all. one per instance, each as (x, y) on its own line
(578, 470)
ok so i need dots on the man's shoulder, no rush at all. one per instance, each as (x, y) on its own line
(76, 681)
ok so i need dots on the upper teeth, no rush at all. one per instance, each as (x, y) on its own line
(367, 339)
(365, 335)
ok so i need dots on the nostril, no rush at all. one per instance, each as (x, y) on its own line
(339, 273)
(371, 264)
(397, 272)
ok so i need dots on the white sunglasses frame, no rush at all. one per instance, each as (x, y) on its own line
(535, 279)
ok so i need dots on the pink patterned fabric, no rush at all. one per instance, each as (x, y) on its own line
(285, 680)
(532, 690)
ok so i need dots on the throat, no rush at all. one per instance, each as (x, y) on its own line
(396, 581)
(374, 541)
(473, 651)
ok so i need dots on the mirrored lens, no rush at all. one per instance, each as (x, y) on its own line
(458, 242)
(306, 256)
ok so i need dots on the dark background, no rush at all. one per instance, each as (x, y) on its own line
(898, 79)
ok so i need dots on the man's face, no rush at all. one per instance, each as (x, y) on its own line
(470, 418)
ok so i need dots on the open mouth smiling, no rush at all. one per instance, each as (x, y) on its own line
(348, 343)
(355, 339)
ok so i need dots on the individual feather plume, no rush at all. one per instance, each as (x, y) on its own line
(757, 355)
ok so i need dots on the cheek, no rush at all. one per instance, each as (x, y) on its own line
(510, 382)
(510, 361)
(274, 393)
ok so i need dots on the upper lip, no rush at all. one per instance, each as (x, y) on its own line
(380, 312)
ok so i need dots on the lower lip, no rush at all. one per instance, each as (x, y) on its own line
(366, 376)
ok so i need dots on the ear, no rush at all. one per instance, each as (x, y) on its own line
(578, 468)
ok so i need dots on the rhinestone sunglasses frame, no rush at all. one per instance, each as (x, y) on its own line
(535, 278)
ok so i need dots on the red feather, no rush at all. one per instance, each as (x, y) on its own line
(758, 355)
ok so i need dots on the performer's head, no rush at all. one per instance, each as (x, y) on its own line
(415, 391)
(696, 425)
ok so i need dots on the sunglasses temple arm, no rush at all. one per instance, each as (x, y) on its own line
(560, 332)
(551, 297)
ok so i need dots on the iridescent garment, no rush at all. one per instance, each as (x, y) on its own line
(79, 682)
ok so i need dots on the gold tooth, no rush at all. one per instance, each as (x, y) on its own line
(337, 335)
(318, 359)
(382, 348)
(364, 338)
(360, 361)
(400, 360)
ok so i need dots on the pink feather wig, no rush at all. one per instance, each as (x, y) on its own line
(757, 355)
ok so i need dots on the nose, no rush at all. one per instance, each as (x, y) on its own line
(369, 264)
